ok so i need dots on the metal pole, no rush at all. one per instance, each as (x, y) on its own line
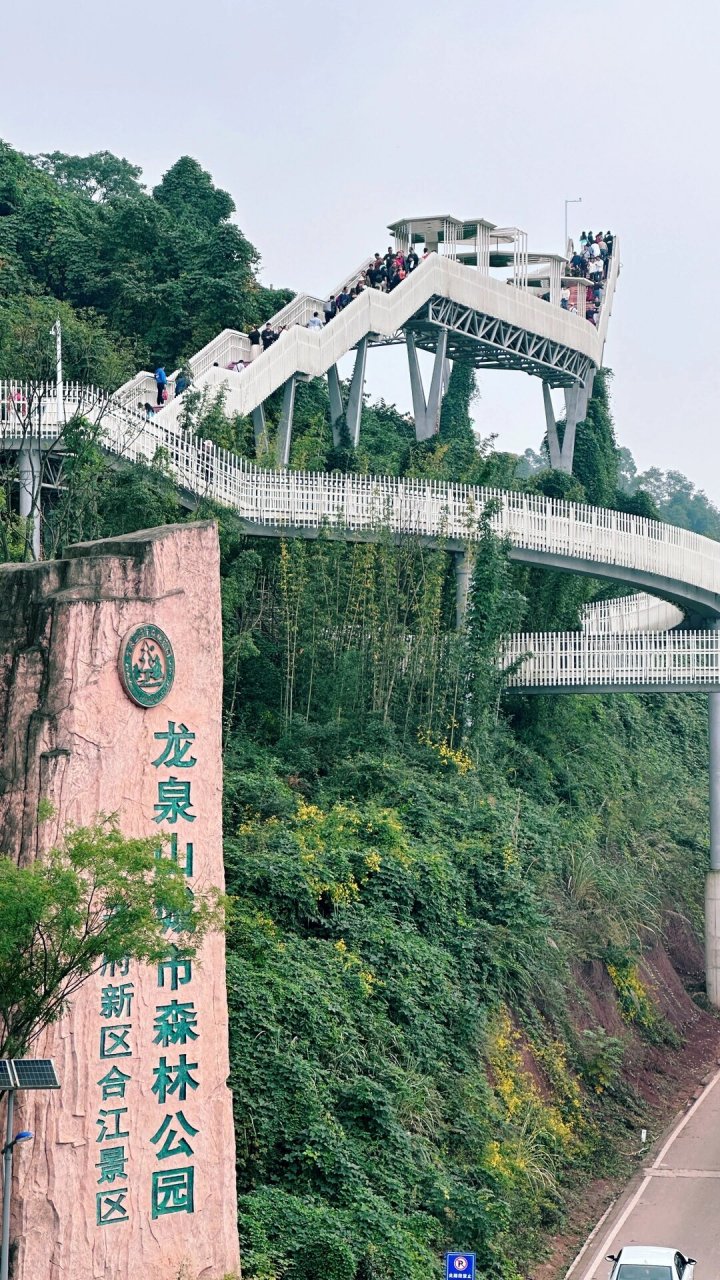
(7, 1185)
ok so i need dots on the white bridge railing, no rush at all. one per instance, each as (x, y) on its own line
(556, 660)
(623, 643)
(639, 612)
(361, 505)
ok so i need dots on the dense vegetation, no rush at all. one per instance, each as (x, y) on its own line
(138, 277)
(427, 872)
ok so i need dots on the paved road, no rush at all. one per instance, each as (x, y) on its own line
(677, 1202)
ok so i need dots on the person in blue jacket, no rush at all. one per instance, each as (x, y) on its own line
(160, 383)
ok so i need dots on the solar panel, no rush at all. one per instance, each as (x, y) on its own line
(36, 1073)
(7, 1079)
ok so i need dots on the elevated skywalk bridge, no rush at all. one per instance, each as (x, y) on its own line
(445, 306)
(680, 567)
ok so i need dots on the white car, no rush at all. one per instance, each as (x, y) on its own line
(648, 1262)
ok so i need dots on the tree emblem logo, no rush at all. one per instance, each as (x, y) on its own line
(146, 665)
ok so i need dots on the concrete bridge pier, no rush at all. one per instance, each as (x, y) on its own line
(285, 425)
(712, 882)
(29, 474)
(464, 564)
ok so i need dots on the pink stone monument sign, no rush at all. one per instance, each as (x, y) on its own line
(110, 702)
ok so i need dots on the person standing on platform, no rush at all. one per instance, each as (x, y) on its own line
(161, 384)
(182, 382)
(255, 342)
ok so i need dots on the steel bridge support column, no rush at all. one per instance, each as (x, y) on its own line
(284, 435)
(712, 881)
(336, 404)
(260, 430)
(551, 429)
(355, 399)
(576, 403)
(353, 414)
(29, 472)
(427, 412)
(464, 564)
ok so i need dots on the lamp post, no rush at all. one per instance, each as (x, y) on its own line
(15, 1074)
(577, 200)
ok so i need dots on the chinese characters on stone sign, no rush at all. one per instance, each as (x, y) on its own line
(173, 1073)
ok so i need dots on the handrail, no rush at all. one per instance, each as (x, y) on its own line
(573, 659)
(571, 532)
(640, 612)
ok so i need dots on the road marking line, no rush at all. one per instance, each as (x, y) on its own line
(682, 1173)
(649, 1174)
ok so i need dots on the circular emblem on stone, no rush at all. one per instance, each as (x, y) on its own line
(146, 665)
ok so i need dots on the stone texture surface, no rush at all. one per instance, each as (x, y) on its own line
(70, 735)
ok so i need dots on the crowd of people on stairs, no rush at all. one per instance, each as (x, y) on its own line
(589, 262)
(383, 273)
(592, 258)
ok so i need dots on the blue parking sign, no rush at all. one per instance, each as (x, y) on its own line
(460, 1266)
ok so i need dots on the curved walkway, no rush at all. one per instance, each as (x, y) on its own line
(623, 643)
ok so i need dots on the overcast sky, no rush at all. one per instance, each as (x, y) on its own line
(327, 119)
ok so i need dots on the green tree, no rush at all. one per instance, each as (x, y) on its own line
(187, 190)
(166, 270)
(100, 898)
(100, 176)
(91, 353)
